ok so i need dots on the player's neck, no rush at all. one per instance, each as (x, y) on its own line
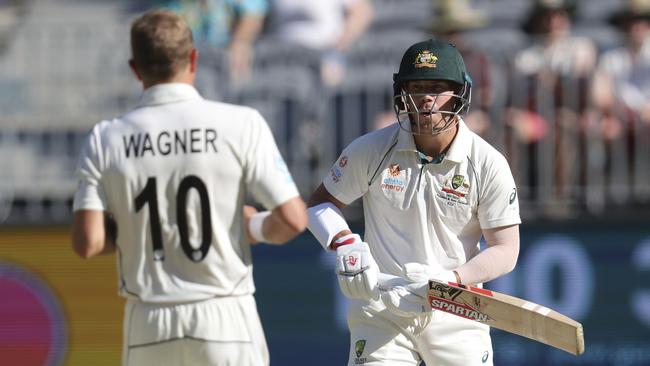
(434, 145)
(183, 78)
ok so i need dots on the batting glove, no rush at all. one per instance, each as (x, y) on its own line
(356, 269)
(408, 297)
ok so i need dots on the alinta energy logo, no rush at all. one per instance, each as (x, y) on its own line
(393, 179)
(33, 329)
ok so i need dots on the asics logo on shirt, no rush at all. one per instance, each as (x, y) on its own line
(486, 354)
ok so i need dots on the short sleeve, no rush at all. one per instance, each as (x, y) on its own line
(347, 180)
(499, 202)
(90, 194)
(267, 176)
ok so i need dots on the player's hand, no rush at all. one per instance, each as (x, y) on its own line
(249, 211)
(408, 296)
(355, 268)
(408, 299)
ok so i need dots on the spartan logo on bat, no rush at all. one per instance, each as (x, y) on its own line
(444, 291)
(444, 298)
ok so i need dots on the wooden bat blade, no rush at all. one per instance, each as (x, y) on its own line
(510, 314)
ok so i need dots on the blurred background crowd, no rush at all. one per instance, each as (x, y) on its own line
(561, 87)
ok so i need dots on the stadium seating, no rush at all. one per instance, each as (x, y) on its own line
(61, 74)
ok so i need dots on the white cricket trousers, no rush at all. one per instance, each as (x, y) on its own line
(379, 337)
(216, 332)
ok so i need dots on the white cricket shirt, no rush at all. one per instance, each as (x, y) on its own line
(174, 172)
(430, 213)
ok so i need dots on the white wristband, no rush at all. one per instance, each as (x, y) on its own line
(325, 221)
(255, 225)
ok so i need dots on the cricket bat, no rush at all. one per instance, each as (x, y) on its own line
(508, 313)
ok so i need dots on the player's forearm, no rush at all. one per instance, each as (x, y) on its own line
(108, 248)
(285, 222)
(93, 233)
(359, 18)
(247, 29)
(100, 244)
(496, 260)
(279, 231)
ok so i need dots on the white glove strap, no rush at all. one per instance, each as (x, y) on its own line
(325, 221)
(255, 225)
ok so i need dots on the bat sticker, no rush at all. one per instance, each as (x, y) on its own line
(446, 298)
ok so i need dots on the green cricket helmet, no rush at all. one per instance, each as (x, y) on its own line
(431, 60)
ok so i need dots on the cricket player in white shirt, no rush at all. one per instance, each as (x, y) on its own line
(431, 188)
(174, 173)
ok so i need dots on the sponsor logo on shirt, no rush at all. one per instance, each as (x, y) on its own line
(455, 190)
(343, 161)
(393, 170)
(393, 179)
(336, 174)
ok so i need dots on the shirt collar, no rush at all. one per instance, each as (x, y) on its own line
(460, 146)
(168, 93)
(457, 151)
(405, 141)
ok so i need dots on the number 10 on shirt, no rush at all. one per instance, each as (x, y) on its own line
(508, 313)
(149, 197)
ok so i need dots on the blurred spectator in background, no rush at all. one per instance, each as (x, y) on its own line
(555, 54)
(621, 87)
(551, 88)
(234, 24)
(453, 19)
(10, 13)
(328, 26)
